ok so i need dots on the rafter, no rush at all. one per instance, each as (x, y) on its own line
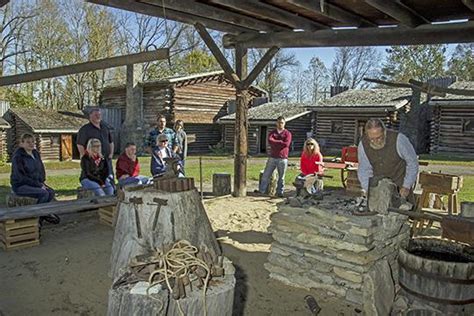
(259, 67)
(332, 11)
(425, 34)
(215, 50)
(399, 12)
(146, 9)
(268, 11)
(207, 11)
(469, 4)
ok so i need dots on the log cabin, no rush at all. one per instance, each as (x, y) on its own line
(55, 132)
(262, 119)
(339, 121)
(4, 127)
(199, 100)
(452, 124)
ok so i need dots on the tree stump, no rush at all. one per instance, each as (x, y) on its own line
(132, 299)
(221, 184)
(271, 189)
(149, 219)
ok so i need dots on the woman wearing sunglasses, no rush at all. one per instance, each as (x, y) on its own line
(95, 170)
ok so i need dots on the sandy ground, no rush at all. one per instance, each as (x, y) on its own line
(67, 273)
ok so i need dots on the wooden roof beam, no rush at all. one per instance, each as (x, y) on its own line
(3, 3)
(203, 10)
(268, 11)
(215, 50)
(333, 12)
(262, 63)
(151, 10)
(399, 12)
(469, 4)
(86, 66)
(425, 34)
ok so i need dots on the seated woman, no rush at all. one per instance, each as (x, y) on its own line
(128, 167)
(28, 175)
(159, 153)
(311, 163)
(95, 170)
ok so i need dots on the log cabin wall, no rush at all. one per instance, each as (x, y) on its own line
(3, 144)
(299, 128)
(49, 145)
(202, 136)
(252, 138)
(334, 130)
(452, 130)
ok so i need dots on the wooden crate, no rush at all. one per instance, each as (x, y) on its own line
(107, 215)
(19, 233)
(442, 182)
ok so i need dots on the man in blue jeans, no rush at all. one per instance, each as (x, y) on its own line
(279, 140)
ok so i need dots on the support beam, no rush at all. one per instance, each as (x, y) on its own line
(87, 66)
(333, 12)
(426, 34)
(399, 12)
(207, 11)
(270, 12)
(3, 3)
(241, 126)
(259, 67)
(469, 4)
(209, 41)
(146, 9)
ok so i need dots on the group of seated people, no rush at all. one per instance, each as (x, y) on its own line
(28, 174)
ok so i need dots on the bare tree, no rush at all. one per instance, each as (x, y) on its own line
(271, 79)
(352, 64)
(318, 77)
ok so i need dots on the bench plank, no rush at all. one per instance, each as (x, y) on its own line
(56, 207)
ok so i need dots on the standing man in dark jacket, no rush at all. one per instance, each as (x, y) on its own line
(280, 141)
(28, 175)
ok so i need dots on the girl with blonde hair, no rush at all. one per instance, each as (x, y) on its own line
(311, 161)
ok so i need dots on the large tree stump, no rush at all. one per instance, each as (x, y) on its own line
(132, 299)
(149, 219)
(221, 184)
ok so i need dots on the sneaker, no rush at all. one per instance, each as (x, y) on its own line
(51, 218)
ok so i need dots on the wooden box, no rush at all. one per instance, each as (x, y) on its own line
(107, 215)
(19, 233)
(440, 181)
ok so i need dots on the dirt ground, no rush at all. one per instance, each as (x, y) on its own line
(67, 273)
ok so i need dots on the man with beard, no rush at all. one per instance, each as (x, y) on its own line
(389, 154)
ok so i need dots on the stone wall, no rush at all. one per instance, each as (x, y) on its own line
(325, 246)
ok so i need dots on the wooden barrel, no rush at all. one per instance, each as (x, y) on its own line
(437, 271)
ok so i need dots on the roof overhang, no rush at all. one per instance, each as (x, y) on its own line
(55, 131)
(264, 121)
(460, 103)
(352, 109)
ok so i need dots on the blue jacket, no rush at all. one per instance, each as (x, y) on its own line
(158, 165)
(27, 170)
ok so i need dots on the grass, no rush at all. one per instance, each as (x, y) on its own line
(66, 185)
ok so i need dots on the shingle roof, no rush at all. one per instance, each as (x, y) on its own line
(50, 121)
(369, 98)
(468, 85)
(271, 111)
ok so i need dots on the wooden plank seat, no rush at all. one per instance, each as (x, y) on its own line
(56, 207)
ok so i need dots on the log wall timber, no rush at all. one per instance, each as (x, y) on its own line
(299, 128)
(447, 133)
(205, 135)
(228, 132)
(49, 146)
(3, 143)
(323, 124)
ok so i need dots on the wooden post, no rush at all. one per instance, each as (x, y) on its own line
(132, 128)
(241, 126)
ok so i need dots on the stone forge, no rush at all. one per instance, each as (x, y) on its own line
(325, 246)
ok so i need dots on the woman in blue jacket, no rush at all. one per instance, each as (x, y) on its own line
(28, 175)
